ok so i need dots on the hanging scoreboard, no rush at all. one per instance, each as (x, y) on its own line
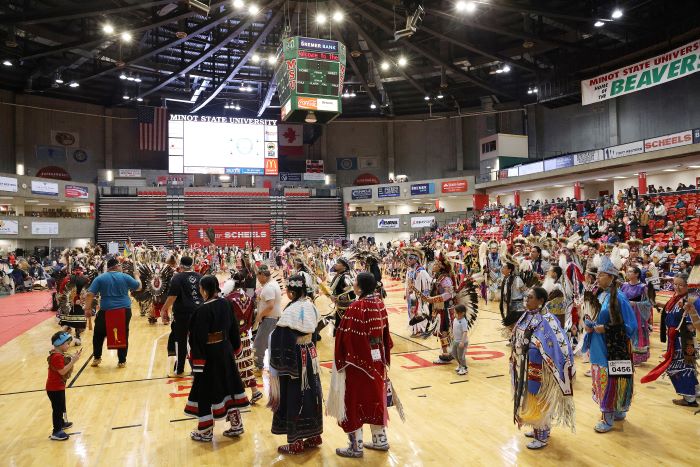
(310, 77)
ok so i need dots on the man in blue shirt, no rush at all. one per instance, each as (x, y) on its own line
(113, 288)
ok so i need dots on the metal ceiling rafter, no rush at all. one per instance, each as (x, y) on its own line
(242, 62)
(356, 69)
(240, 28)
(378, 51)
(170, 44)
(60, 14)
(430, 55)
(90, 44)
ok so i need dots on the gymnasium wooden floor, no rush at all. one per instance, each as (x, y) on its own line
(134, 416)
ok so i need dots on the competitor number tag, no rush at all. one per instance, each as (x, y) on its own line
(619, 367)
(376, 355)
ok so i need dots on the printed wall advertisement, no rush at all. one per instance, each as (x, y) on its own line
(290, 177)
(677, 63)
(130, 173)
(361, 193)
(76, 191)
(271, 166)
(316, 177)
(231, 235)
(455, 186)
(668, 141)
(696, 137)
(587, 157)
(392, 191)
(44, 228)
(388, 223)
(623, 150)
(8, 184)
(44, 188)
(9, 227)
(559, 162)
(421, 222)
(422, 189)
(527, 169)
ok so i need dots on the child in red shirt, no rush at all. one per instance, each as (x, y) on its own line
(60, 367)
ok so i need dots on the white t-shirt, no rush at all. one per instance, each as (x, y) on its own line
(272, 291)
(459, 326)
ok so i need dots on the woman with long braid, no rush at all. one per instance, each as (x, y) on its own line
(609, 339)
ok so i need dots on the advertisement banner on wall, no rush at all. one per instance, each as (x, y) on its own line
(290, 177)
(527, 169)
(422, 189)
(255, 235)
(8, 184)
(44, 188)
(76, 191)
(677, 63)
(696, 137)
(44, 228)
(422, 222)
(361, 193)
(316, 177)
(388, 223)
(271, 167)
(455, 186)
(587, 157)
(623, 150)
(392, 191)
(9, 227)
(129, 173)
(668, 141)
(559, 162)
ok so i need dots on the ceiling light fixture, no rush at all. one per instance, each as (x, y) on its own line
(468, 7)
(598, 24)
(255, 58)
(7, 62)
(108, 28)
(126, 36)
(338, 16)
(238, 3)
(321, 18)
(617, 13)
(373, 106)
(694, 166)
(310, 117)
(74, 84)
(601, 179)
(352, 94)
(253, 9)
(122, 75)
(440, 95)
(506, 68)
(137, 79)
(272, 58)
(385, 65)
(58, 79)
(139, 99)
(426, 98)
(126, 97)
(670, 170)
(130, 78)
(402, 61)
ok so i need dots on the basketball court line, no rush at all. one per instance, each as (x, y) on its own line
(70, 385)
(153, 353)
(125, 426)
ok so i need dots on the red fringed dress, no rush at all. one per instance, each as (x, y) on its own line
(362, 350)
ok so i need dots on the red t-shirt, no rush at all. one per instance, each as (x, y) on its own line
(54, 382)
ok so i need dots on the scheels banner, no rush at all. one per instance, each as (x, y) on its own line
(240, 235)
(677, 63)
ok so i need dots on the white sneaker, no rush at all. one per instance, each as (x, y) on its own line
(463, 371)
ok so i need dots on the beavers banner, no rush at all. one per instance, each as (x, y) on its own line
(255, 235)
(661, 69)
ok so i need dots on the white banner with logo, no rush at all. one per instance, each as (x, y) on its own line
(388, 223)
(587, 157)
(130, 173)
(44, 188)
(623, 150)
(668, 141)
(421, 222)
(677, 63)
(9, 227)
(44, 228)
(8, 184)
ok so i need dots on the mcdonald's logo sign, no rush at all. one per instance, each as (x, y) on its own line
(271, 167)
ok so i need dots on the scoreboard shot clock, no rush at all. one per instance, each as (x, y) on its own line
(309, 77)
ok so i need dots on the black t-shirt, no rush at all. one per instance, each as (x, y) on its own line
(185, 286)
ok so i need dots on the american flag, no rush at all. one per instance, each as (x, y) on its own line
(153, 127)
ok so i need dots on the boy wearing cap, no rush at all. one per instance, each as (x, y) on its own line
(60, 367)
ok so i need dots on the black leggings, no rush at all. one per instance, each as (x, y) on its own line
(100, 333)
(58, 409)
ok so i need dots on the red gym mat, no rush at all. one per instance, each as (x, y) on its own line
(20, 312)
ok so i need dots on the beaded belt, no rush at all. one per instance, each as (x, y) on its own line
(305, 339)
(215, 337)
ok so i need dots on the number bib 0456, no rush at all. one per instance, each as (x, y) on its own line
(619, 367)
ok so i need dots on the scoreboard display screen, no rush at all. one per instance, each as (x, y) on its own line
(310, 76)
